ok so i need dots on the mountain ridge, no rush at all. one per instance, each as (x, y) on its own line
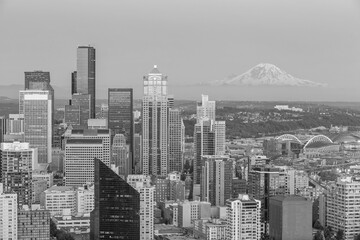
(264, 74)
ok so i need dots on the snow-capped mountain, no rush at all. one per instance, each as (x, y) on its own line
(265, 74)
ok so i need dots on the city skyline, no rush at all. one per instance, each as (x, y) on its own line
(319, 48)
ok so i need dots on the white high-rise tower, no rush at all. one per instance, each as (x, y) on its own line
(205, 109)
(36, 105)
(155, 124)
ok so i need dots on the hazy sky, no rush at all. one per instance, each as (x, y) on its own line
(190, 40)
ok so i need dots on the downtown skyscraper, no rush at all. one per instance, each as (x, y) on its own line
(39, 80)
(116, 213)
(36, 105)
(209, 134)
(155, 111)
(120, 118)
(85, 76)
(176, 141)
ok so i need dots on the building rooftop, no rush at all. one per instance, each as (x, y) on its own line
(289, 198)
(155, 70)
(60, 188)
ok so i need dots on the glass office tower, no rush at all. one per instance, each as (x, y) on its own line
(117, 207)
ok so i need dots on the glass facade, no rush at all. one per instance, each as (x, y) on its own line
(34, 224)
(72, 115)
(37, 106)
(120, 117)
(84, 101)
(85, 74)
(117, 206)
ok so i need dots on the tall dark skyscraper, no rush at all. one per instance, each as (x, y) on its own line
(73, 83)
(120, 117)
(85, 74)
(116, 207)
(204, 142)
(2, 128)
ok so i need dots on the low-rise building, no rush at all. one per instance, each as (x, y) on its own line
(58, 198)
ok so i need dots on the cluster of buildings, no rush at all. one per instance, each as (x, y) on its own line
(98, 176)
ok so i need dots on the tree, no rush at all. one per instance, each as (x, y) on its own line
(59, 234)
(53, 229)
(317, 225)
(357, 237)
(318, 236)
(340, 235)
(328, 233)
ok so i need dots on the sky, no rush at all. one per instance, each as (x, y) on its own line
(191, 41)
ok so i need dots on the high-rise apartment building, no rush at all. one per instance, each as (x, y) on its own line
(36, 106)
(142, 184)
(205, 109)
(220, 132)
(342, 204)
(204, 141)
(120, 155)
(85, 75)
(8, 215)
(216, 179)
(175, 141)
(155, 109)
(243, 218)
(79, 160)
(290, 218)
(116, 213)
(120, 117)
(17, 162)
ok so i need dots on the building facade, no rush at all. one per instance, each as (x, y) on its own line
(343, 200)
(58, 199)
(33, 224)
(17, 163)
(155, 109)
(120, 116)
(120, 155)
(175, 141)
(290, 218)
(86, 75)
(116, 211)
(8, 215)
(216, 179)
(79, 160)
(243, 218)
(204, 144)
(37, 110)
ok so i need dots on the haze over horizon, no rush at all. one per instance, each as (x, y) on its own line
(317, 41)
